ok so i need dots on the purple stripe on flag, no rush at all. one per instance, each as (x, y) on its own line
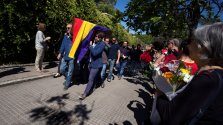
(84, 45)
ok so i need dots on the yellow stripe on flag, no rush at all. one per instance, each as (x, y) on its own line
(85, 28)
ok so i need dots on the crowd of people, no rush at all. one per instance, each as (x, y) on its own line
(202, 54)
(105, 56)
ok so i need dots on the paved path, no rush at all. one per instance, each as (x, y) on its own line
(44, 102)
(11, 74)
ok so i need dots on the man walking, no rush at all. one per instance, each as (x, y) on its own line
(125, 53)
(67, 63)
(113, 56)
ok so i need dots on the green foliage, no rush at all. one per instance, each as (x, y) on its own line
(110, 2)
(19, 19)
(146, 39)
(106, 8)
(171, 18)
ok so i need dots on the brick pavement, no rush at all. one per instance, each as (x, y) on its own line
(44, 102)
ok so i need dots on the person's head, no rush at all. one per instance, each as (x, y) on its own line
(114, 40)
(69, 27)
(41, 27)
(148, 47)
(125, 44)
(157, 45)
(184, 50)
(106, 39)
(206, 47)
(173, 44)
(138, 46)
(99, 36)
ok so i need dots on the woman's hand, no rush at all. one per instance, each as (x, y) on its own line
(47, 38)
(59, 56)
(117, 61)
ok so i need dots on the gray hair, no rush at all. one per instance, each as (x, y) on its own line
(176, 42)
(211, 38)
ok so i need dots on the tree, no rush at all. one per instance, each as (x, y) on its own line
(19, 19)
(18, 26)
(111, 2)
(172, 18)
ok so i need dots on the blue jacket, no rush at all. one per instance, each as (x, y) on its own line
(65, 47)
(96, 55)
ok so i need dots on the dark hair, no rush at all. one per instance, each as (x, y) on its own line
(41, 26)
(184, 50)
(158, 45)
(100, 35)
(126, 42)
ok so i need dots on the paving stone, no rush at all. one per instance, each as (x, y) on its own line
(44, 101)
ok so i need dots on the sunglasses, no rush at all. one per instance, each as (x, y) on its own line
(68, 28)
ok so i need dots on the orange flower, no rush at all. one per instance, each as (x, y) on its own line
(168, 75)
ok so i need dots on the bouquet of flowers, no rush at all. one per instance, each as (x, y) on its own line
(173, 78)
(179, 77)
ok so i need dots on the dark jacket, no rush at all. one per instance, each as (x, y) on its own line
(96, 55)
(187, 104)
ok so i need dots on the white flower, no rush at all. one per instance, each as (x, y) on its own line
(187, 78)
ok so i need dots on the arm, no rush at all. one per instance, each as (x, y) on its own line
(160, 58)
(98, 49)
(41, 38)
(62, 48)
(119, 54)
(185, 105)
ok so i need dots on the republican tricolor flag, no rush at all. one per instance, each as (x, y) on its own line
(82, 34)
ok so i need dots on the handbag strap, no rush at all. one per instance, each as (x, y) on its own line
(211, 99)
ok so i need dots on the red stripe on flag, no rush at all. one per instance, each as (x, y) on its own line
(77, 24)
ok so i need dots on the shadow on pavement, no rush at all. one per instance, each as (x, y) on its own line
(81, 112)
(54, 112)
(127, 123)
(13, 71)
(51, 65)
(147, 98)
(143, 82)
(139, 111)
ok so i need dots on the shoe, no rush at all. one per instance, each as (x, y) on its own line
(56, 75)
(65, 88)
(115, 69)
(38, 70)
(113, 77)
(82, 96)
(103, 85)
(119, 77)
(109, 80)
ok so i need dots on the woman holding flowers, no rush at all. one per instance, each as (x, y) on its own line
(201, 102)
